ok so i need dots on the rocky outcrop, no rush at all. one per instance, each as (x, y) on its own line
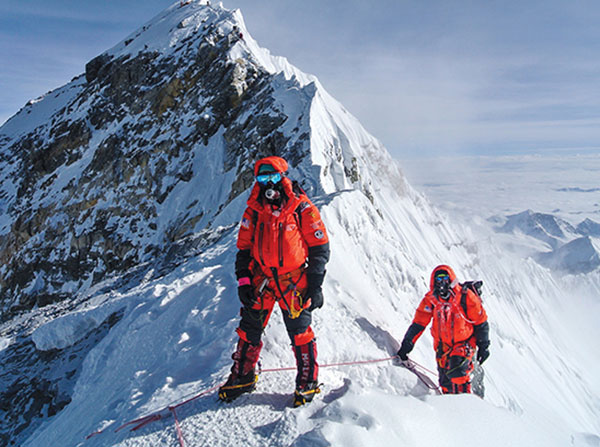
(91, 181)
(38, 384)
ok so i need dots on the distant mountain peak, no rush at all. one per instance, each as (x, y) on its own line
(581, 255)
(545, 227)
(588, 227)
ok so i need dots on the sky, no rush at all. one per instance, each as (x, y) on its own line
(427, 78)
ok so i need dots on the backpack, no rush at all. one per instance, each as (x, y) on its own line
(475, 287)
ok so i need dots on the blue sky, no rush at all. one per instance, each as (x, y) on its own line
(425, 77)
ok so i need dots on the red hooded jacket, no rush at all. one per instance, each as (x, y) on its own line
(451, 324)
(280, 239)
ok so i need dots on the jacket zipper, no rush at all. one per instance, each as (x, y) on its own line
(260, 242)
(280, 244)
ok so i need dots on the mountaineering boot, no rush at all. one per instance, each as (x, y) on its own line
(237, 385)
(243, 377)
(306, 393)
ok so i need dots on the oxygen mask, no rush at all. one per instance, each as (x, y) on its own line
(272, 195)
(442, 285)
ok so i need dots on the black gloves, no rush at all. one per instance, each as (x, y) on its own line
(315, 274)
(413, 332)
(482, 339)
(246, 292)
(314, 291)
(483, 352)
(405, 348)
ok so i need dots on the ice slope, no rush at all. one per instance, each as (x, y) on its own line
(177, 331)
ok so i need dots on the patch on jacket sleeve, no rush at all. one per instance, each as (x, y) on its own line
(245, 222)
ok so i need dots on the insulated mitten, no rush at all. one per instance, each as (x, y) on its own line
(314, 291)
(405, 348)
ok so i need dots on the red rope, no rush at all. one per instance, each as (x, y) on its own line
(423, 368)
(357, 362)
(177, 427)
(329, 365)
(140, 422)
(203, 393)
(157, 415)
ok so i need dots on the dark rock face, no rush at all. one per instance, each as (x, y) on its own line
(37, 384)
(90, 182)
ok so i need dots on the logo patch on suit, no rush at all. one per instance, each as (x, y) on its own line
(319, 234)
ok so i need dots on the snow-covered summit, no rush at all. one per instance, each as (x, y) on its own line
(102, 174)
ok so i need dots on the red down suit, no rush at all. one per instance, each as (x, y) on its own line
(455, 323)
(281, 249)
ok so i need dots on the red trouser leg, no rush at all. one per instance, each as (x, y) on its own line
(306, 361)
(455, 369)
(245, 358)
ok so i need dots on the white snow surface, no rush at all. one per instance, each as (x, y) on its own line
(67, 330)
(176, 335)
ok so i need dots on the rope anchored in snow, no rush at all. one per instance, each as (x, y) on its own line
(421, 372)
(170, 410)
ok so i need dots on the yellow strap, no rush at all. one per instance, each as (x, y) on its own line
(241, 385)
(304, 393)
(295, 313)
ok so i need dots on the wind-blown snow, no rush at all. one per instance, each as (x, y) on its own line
(4, 343)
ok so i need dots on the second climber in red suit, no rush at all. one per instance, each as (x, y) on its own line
(459, 329)
(283, 248)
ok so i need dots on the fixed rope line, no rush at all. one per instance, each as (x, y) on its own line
(171, 408)
(423, 368)
(329, 365)
(177, 428)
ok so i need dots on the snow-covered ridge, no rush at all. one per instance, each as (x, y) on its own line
(166, 32)
(70, 328)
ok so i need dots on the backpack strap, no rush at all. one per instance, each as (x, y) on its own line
(463, 298)
(299, 192)
(475, 286)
